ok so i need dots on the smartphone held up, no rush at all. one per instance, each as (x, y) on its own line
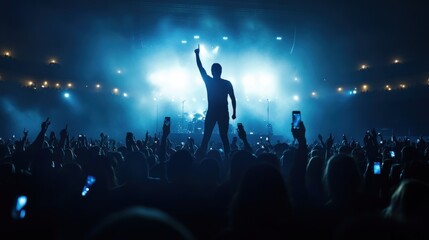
(296, 119)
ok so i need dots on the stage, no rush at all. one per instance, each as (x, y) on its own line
(177, 138)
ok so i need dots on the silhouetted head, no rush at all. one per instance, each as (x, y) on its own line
(342, 177)
(261, 204)
(409, 202)
(139, 222)
(216, 70)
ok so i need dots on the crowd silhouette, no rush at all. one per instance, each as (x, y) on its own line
(60, 186)
(70, 188)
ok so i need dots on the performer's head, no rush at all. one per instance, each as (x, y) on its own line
(216, 70)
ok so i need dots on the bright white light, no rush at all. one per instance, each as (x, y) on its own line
(296, 98)
(119, 71)
(340, 89)
(296, 79)
(203, 50)
(97, 86)
(216, 50)
(396, 61)
(115, 91)
(57, 85)
(184, 42)
(30, 83)
(196, 37)
(279, 38)
(53, 61)
(161, 79)
(363, 66)
(225, 38)
(313, 94)
(354, 91)
(66, 95)
(45, 83)
(43, 86)
(69, 85)
(125, 94)
(7, 54)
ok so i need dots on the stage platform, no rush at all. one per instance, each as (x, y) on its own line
(177, 138)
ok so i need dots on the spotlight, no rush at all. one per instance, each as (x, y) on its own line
(313, 94)
(279, 38)
(225, 38)
(30, 83)
(363, 66)
(340, 89)
(7, 54)
(115, 91)
(97, 86)
(216, 50)
(119, 71)
(296, 78)
(196, 37)
(184, 42)
(69, 85)
(67, 95)
(125, 94)
(53, 61)
(396, 61)
(45, 83)
(57, 85)
(296, 98)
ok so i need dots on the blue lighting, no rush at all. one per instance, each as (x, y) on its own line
(66, 95)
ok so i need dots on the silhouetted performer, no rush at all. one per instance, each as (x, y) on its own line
(218, 90)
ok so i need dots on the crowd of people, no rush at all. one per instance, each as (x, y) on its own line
(61, 187)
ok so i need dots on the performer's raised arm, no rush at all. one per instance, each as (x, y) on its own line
(199, 64)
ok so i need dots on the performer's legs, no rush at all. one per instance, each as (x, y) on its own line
(223, 123)
(209, 124)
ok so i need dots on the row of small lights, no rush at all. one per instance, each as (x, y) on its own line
(313, 94)
(70, 85)
(225, 38)
(54, 61)
(365, 66)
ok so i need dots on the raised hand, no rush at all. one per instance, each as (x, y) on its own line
(63, 132)
(330, 141)
(45, 124)
(299, 133)
(321, 139)
(197, 50)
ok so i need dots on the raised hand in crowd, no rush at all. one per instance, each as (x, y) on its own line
(38, 142)
(243, 136)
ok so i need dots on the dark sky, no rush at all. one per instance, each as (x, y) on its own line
(340, 33)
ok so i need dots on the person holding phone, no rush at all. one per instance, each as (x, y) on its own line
(218, 90)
